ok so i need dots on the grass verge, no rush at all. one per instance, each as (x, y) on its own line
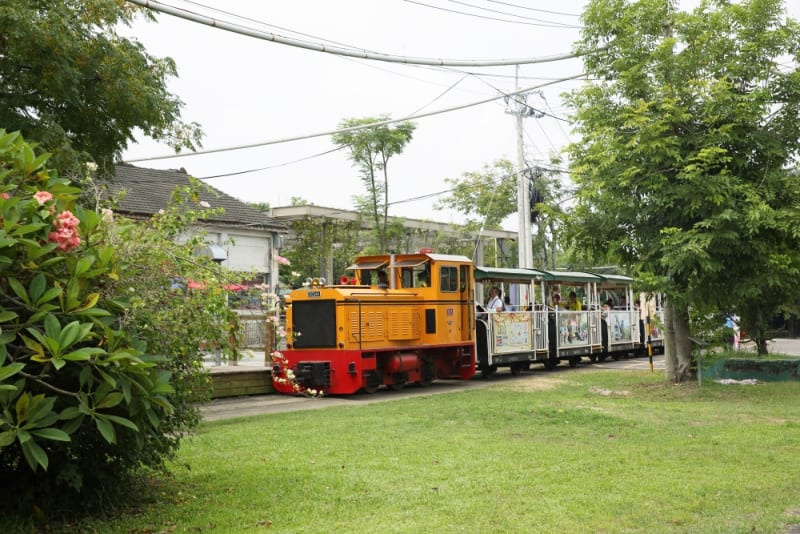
(578, 452)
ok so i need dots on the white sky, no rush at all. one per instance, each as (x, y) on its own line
(244, 90)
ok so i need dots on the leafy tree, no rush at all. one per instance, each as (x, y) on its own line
(370, 151)
(96, 382)
(687, 129)
(320, 244)
(487, 198)
(70, 81)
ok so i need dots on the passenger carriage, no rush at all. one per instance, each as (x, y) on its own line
(517, 336)
(573, 334)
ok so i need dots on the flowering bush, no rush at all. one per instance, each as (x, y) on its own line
(96, 381)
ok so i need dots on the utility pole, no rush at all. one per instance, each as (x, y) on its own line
(520, 109)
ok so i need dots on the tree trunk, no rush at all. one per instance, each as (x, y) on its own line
(683, 345)
(677, 346)
(669, 340)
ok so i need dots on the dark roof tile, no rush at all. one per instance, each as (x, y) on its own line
(148, 190)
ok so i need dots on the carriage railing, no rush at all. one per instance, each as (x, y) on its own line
(623, 327)
(577, 328)
(517, 331)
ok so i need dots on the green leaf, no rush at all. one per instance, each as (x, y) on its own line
(91, 312)
(21, 230)
(21, 407)
(40, 408)
(51, 433)
(37, 286)
(83, 354)
(19, 290)
(109, 401)
(83, 265)
(49, 295)
(7, 438)
(8, 315)
(107, 378)
(34, 455)
(10, 370)
(123, 422)
(73, 424)
(106, 428)
(52, 328)
(70, 334)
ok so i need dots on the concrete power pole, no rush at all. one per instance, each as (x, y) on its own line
(520, 109)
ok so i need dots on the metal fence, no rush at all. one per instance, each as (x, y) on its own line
(252, 329)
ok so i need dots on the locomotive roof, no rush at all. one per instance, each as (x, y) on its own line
(404, 260)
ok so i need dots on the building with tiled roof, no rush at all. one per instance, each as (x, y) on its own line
(242, 238)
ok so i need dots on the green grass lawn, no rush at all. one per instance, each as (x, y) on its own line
(573, 452)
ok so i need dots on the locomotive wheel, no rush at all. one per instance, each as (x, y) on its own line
(574, 361)
(516, 368)
(370, 389)
(489, 371)
(397, 386)
(593, 358)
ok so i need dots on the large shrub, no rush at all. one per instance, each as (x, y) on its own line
(100, 342)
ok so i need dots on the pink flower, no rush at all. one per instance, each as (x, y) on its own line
(66, 233)
(5, 196)
(43, 196)
(282, 260)
(66, 218)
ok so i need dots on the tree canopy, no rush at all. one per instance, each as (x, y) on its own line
(69, 81)
(688, 129)
(488, 197)
(370, 151)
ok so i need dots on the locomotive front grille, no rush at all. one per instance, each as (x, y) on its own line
(314, 324)
(313, 374)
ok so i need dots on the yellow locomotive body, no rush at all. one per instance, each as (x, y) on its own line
(413, 326)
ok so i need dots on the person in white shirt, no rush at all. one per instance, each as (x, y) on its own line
(495, 303)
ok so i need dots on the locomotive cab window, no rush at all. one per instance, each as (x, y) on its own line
(414, 272)
(449, 279)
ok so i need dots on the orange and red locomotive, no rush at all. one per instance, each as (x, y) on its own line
(399, 319)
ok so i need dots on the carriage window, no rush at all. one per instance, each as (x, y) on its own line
(449, 278)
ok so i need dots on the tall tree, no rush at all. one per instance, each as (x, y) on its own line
(687, 130)
(488, 197)
(370, 151)
(68, 80)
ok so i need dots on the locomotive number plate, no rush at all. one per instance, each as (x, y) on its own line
(312, 294)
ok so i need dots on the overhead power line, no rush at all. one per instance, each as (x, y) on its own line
(363, 54)
(354, 128)
(536, 22)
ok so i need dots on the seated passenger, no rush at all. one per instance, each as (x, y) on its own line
(495, 303)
